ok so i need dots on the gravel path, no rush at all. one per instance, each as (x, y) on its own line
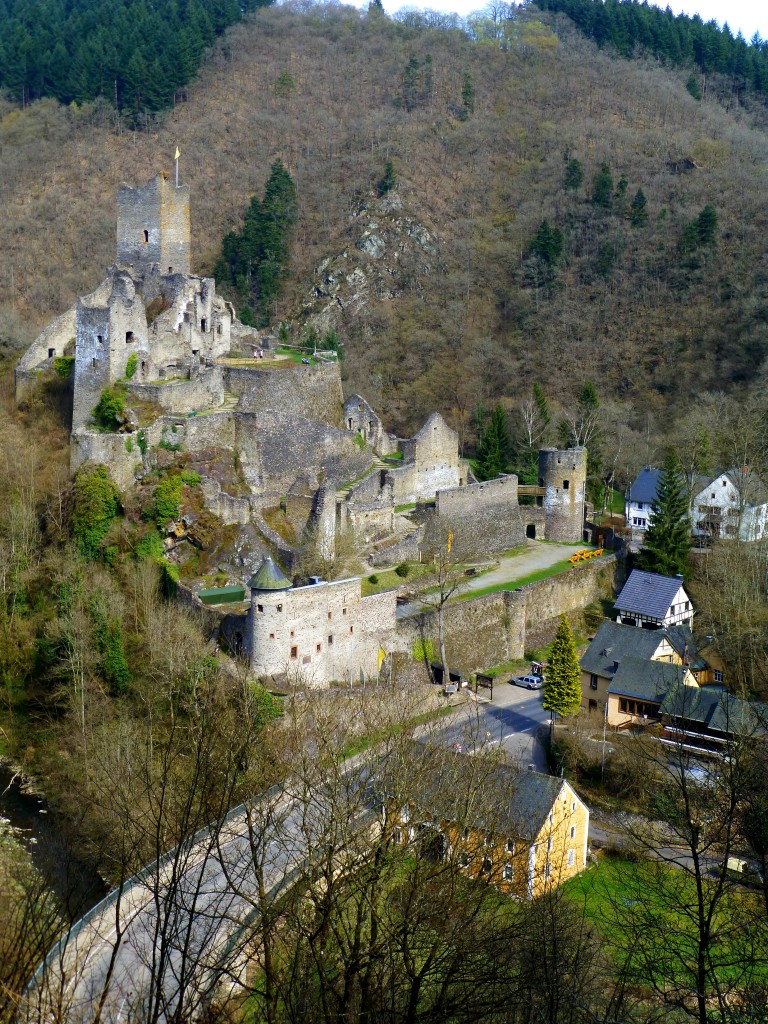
(536, 556)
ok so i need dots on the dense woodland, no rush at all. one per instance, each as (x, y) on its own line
(138, 55)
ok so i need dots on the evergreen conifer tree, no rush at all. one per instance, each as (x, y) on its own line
(667, 541)
(638, 210)
(574, 175)
(493, 454)
(562, 683)
(602, 188)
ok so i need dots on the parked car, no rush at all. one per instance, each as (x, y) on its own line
(529, 682)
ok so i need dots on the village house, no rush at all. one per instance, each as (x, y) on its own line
(639, 498)
(733, 504)
(626, 672)
(709, 719)
(530, 837)
(652, 601)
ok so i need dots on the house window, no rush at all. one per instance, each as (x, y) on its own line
(294, 653)
(466, 834)
(318, 648)
(573, 807)
(549, 844)
(566, 484)
(486, 866)
(724, 485)
(510, 846)
(593, 682)
(508, 873)
(464, 860)
(330, 640)
(397, 835)
(551, 819)
(636, 707)
(571, 858)
(547, 871)
(259, 607)
(573, 831)
(718, 676)
(129, 337)
(639, 506)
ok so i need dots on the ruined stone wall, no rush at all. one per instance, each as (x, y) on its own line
(564, 474)
(360, 417)
(118, 452)
(56, 336)
(431, 463)
(153, 227)
(483, 517)
(300, 392)
(496, 628)
(276, 452)
(205, 390)
(406, 550)
(230, 510)
(368, 522)
(320, 634)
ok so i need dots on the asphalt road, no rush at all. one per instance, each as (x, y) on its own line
(514, 719)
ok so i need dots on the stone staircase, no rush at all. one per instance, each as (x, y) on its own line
(376, 466)
(231, 401)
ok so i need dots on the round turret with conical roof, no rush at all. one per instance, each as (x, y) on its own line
(268, 577)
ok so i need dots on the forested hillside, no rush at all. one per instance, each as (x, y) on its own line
(653, 303)
(135, 54)
(633, 28)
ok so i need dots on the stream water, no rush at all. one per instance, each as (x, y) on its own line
(75, 882)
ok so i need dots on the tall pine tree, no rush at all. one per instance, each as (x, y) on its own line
(493, 454)
(562, 682)
(667, 541)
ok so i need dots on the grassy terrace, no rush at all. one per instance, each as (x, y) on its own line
(388, 579)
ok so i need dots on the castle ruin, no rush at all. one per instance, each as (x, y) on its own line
(199, 382)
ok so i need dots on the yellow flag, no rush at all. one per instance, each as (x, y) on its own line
(382, 656)
(177, 154)
(450, 541)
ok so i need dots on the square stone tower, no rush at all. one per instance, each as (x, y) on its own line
(153, 235)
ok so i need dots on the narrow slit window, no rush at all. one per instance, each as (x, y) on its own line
(146, 237)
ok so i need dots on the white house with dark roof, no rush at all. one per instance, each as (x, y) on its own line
(652, 601)
(640, 497)
(733, 504)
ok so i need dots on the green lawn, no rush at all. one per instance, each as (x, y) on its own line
(388, 579)
(534, 577)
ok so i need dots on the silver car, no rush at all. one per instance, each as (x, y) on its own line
(529, 682)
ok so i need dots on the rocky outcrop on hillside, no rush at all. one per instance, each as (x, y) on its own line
(389, 251)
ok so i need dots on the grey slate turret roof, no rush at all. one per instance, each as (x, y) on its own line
(649, 594)
(269, 577)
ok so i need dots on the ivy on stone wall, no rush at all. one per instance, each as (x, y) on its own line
(97, 503)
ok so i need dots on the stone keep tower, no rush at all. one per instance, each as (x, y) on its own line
(153, 235)
(563, 475)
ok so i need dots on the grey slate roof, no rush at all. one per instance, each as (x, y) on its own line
(644, 487)
(681, 639)
(716, 710)
(613, 642)
(647, 680)
(269, 577)
(512, 801)
(647, 593)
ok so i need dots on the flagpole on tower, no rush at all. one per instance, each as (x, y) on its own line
(176, 156)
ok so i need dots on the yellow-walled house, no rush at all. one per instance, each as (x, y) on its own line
(533, 838)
